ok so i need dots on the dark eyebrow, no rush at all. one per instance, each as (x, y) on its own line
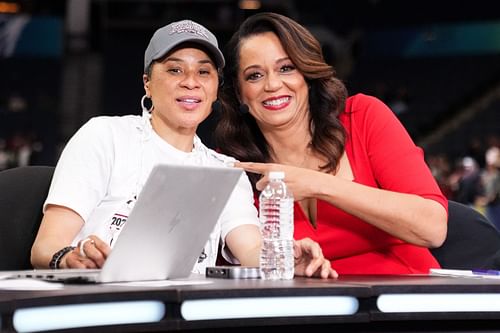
(206, 61)
(283, 59)
(250, 67)
(203, 61)
(277, 62)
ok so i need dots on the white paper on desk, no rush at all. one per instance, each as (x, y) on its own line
(159, 283)
(451, 272)
(29, 284)
(461, 273)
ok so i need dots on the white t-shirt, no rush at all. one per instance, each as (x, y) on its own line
(105, 164)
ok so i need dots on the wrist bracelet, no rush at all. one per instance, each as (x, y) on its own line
(56, 258)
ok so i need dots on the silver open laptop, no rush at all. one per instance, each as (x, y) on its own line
(165, 232)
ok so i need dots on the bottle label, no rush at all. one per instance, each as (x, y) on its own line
(276, 217)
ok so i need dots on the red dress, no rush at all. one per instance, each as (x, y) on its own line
(381, 154)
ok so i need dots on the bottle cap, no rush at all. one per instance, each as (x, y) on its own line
(276, 175)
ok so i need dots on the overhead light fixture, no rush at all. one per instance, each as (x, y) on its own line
(9, 7)
(249, 4)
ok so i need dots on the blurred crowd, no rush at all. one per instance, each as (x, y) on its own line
(20, 144)
(20, 149)
(472, 179)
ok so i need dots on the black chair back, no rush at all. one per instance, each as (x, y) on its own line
(472, 241)
(24, 190)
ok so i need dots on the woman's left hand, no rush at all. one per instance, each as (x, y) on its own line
(309, 260)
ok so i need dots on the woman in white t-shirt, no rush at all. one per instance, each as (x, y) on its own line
(105, 164)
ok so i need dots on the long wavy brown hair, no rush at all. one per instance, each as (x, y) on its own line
(237, 133)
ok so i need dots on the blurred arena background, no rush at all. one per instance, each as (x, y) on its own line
(435, 63)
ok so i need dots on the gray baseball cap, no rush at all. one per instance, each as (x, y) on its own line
(175, 33)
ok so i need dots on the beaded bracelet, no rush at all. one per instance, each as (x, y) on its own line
(56, 258)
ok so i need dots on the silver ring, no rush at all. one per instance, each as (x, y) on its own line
(82, 243)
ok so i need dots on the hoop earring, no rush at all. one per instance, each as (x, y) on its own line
(144, 109)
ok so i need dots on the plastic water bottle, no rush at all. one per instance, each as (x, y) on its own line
(276, 225)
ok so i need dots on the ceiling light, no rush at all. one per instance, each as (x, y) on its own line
(249, 4)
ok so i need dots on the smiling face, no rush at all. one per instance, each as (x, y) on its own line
(183, 85)
(269, 83)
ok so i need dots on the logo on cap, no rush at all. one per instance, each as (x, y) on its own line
(189, 27)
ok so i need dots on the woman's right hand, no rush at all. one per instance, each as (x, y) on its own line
(90, 252)
(302, 182)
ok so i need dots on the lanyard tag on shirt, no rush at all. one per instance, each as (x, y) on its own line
(119, 219)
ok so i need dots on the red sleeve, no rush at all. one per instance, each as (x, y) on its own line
(396, 163)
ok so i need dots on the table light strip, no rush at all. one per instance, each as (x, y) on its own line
(258, 307)
(46, 318)
(470, 302)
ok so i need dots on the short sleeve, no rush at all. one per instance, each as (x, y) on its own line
(396, 162)
(84, 169)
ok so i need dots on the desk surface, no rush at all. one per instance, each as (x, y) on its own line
(422, 283)
(357, 301)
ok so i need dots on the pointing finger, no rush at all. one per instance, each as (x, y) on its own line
(261, 168)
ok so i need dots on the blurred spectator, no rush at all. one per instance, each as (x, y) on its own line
(441, 170)
(4, 155)
(490, 179)
(465, 182)
(20, 148)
